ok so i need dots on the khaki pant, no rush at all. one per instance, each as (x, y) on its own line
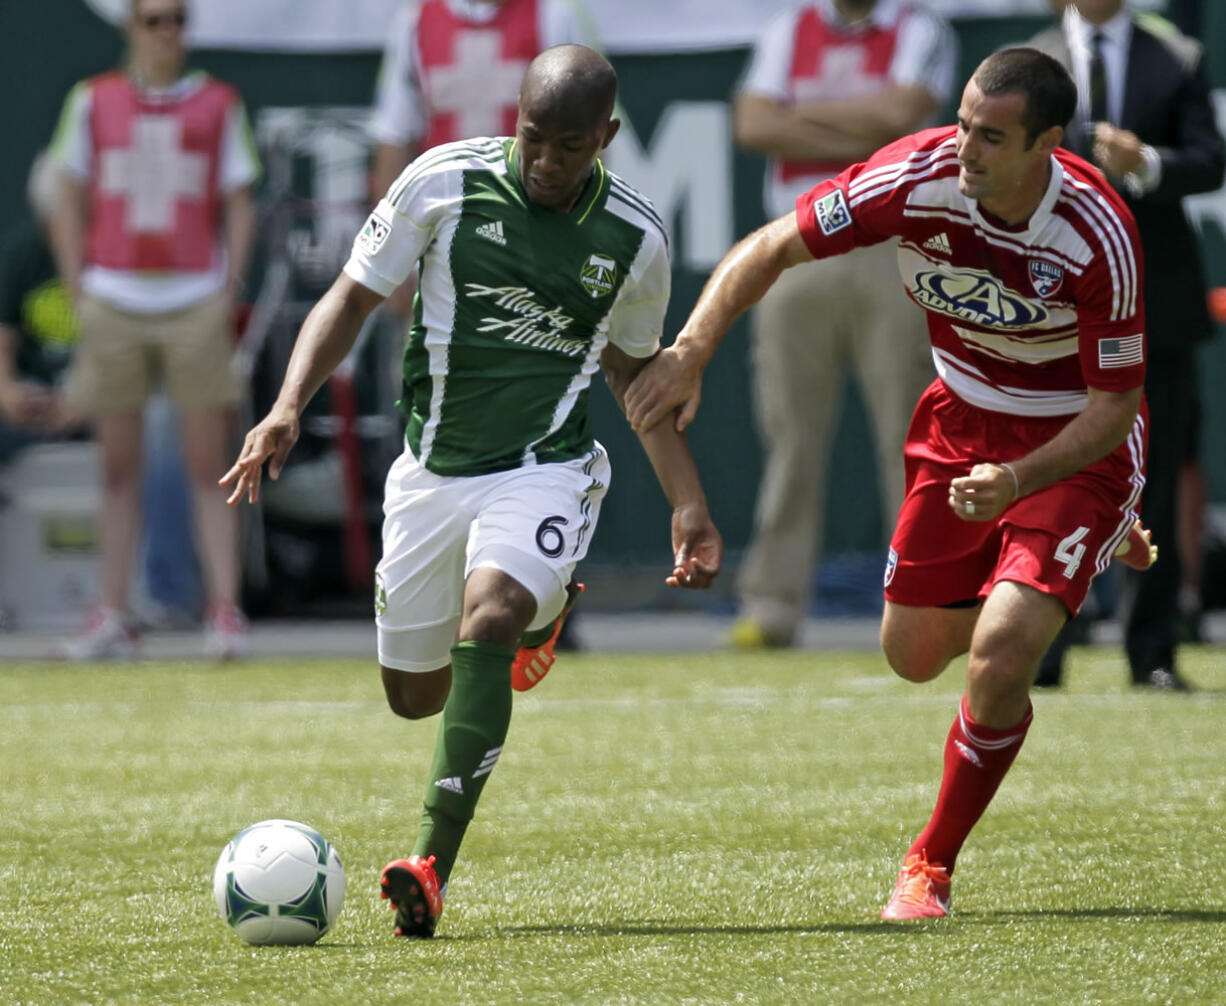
(818, 321)
(122, 357)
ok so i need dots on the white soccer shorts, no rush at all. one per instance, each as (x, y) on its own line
(532, 523)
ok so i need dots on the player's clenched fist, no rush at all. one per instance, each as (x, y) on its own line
(984, 493)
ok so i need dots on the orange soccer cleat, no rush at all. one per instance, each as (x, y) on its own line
(533, 662)
(922, 891)
(1137, 550)
(412, 888)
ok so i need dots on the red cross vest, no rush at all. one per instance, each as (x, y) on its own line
(181, 234)
(439, 30)
(823, 60)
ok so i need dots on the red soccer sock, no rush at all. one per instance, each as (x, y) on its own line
(976, 760)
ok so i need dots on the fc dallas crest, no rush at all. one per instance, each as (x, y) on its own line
(1046, 277)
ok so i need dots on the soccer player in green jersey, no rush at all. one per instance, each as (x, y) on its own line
(536, 266)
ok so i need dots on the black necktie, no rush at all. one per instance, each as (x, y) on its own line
(1098, 80)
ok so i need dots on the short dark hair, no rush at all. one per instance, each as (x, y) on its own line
(1051, 95)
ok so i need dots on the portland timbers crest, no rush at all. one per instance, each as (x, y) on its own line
(380, 596)
(599, 276)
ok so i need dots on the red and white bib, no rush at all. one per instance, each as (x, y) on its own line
(155, 194)
(828, 62)
(470, 73)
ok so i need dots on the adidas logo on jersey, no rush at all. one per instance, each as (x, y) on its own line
(451, 783)
(939, 244)
(492, 232)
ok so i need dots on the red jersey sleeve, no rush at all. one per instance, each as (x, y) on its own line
(863, 205)
(1111, 337)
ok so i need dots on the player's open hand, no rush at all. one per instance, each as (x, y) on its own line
(665, 383)
(270, 441)
(698, 549)
(983, 494)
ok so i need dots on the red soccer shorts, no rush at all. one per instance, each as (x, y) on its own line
(1055, 540)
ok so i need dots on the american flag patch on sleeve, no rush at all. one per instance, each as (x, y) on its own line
(1122, 352)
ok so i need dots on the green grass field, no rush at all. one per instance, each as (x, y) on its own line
(674, 829)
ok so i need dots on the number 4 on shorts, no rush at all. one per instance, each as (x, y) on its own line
(1070, 551)
(1136, 550)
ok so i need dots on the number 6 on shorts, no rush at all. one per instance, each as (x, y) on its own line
(549, 536)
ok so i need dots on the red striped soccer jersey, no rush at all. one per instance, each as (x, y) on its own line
(1023, 319)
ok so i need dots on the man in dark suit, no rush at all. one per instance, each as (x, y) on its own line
(1144, 116)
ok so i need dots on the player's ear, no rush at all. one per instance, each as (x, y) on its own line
(1051, 138)
(610, 132)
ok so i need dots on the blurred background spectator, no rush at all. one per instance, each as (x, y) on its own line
(157, 166)
(38, 334)
(38, 329)
(829, 83)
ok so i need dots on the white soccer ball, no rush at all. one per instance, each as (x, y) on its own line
(279, 882)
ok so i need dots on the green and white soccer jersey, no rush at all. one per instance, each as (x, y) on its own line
(515, 303)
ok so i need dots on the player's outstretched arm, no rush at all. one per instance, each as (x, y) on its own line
(326, 336)
(674, 378)
(698, 549)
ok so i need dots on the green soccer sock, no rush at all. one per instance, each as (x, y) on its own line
(470, 737)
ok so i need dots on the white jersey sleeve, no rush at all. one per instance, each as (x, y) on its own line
(398, 114)
(401, 227)
(637, 320)
(767, 74)
(72, 143)
(925, 54)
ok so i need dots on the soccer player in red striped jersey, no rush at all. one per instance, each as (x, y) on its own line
(1025, 457)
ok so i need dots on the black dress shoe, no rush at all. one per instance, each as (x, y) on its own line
(1163, 679)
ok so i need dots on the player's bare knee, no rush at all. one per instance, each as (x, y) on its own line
(910, 658)
(912, 665)
(416, 696)
(492, 624)
(994, 673)
(497, 608)
(494, 619)
(1005, 651)
(413, 707)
